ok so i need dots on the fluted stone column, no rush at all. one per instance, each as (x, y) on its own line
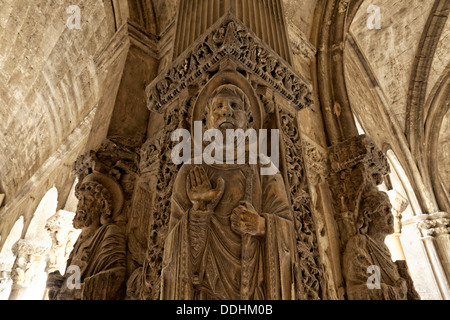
(263, 17)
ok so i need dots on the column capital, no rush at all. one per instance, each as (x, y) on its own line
(431, 225)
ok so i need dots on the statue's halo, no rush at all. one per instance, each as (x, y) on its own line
(222, 78)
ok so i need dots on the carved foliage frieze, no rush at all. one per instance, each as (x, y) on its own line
(228, 37)
(156, 163)
(309, 269)
(435, 225)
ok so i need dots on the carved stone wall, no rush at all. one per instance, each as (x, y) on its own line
(138, 70)
(227, 46)
(228, 52)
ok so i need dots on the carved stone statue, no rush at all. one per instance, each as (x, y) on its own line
(366, 254)
(100, 250)
(231, 233)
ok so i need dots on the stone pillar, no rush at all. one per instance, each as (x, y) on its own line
(5, 279)
(228, 54)
(317, 165)
(361, 212)
(63, 235)
(130, 62)
(28, 271)
(357, 166)
(126, 65)
(399, 205)
(264, 18)
(426, 239)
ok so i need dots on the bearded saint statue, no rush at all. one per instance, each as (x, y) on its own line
(231, 233)
(100, 251)
(367, 251)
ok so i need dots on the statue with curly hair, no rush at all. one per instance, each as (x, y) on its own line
(99, 253)
(369, 272)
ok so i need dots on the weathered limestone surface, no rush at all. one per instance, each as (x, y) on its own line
(91, 112)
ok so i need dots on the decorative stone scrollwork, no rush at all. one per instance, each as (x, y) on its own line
(239, 243)
(437, 224)
(153, 203)
(228, 37)
(228, 52)
(310, 269)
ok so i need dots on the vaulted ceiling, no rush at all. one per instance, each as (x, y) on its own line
(48, 76)
(49, 82)
(397, 81)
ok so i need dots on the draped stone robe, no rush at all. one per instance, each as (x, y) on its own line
(362, 252)
(205, 259)
(101, 260)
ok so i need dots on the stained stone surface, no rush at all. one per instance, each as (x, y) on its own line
(106, 98)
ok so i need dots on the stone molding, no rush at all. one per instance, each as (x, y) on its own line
(299, 43)
(431, 225)
(356, 150)
(229, 37)
(316, 157)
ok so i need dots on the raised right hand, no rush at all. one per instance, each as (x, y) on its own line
(200, 191)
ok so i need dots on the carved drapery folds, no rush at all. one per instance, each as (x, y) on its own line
(97, 265)
(229, 54)
(105, 188)
(366, 253)
(364, 217)
(147, 247)
(227, 48)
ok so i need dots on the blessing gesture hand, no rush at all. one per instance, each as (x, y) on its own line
(200, 191)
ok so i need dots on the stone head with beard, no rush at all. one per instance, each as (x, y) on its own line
(98, 201)
(228, 108)
(94, 205)
(100, 250)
